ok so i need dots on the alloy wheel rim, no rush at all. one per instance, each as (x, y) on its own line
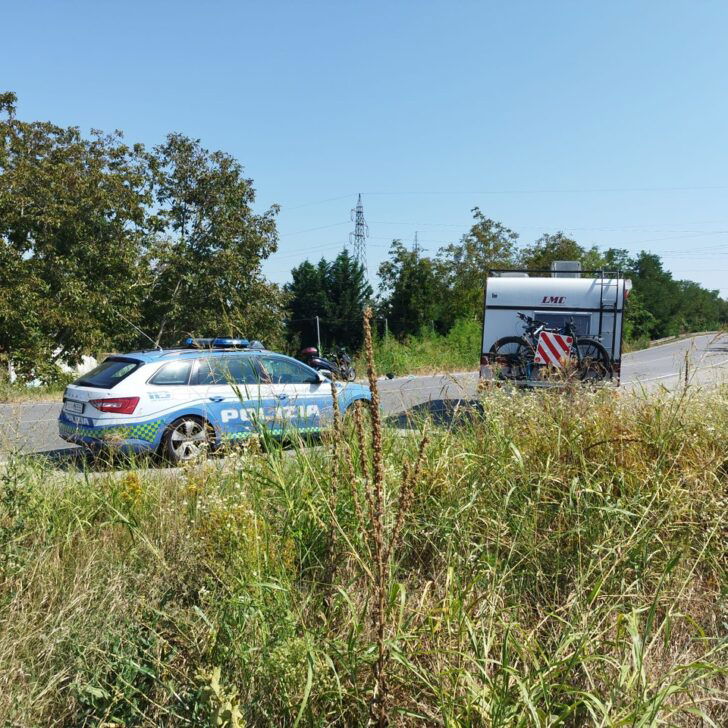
(189, 440)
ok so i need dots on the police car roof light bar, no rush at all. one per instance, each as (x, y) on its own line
(219, 342)
(225, 342)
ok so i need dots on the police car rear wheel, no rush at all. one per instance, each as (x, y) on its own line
(187, 439)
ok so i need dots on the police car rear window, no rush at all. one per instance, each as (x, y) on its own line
(109, 373)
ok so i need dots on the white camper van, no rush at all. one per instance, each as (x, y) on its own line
(593, 301)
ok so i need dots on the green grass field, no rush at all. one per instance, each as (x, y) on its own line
(429, 352)
(551, 559)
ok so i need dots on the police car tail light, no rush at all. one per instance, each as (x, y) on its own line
(120, 405)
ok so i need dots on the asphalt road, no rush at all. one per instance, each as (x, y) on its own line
(32, 427)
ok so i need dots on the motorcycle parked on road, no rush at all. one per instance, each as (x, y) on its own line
(344, 363)
(338, 365)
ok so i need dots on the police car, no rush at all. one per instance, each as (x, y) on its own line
(180, 402)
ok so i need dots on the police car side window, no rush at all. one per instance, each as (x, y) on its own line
(206, 373)
(241, 371)
(285, 371)
(226, 370)
(175, 373)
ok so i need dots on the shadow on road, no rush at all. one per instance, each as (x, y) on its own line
(718, 348)
(441, 412)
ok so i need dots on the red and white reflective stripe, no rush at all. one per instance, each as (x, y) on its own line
(552, 348)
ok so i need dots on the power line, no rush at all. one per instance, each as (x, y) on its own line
(313, 229)
(644, 227)
(319, 248)
(305, 251)
(317, 202)
(577, 190)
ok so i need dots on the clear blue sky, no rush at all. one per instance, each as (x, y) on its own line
(606, 120)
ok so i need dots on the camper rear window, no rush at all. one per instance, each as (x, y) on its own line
(559, 320)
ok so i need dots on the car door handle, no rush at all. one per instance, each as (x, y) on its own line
(217, 399)
(282, 396)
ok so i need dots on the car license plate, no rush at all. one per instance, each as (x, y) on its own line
(72, 406)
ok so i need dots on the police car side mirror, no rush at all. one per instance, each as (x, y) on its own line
(324, 375)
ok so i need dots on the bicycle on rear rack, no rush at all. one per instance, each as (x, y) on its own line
(545, 353)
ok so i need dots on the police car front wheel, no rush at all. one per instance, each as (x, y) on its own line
(187, 439)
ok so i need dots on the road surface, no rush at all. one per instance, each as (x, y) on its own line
(32, 427)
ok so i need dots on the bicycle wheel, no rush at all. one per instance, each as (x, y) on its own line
(595, 364)
(507, 357)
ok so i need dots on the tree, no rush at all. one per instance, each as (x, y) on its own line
(72, 239)
(464, 266)
(660, 306)
(307, 298)
(412, 291)
(639, 323)
(558, 246)
(617, 259)
(337, 292)
(348, 293)
(699, 309)
(207, 265)
(659, 293)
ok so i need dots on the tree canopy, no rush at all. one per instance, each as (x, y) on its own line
(72, 240)
(465, 265)
(337, 292)
(550, 248)
(99, 238)
(449, 287)
(209, 245)
(411, 291)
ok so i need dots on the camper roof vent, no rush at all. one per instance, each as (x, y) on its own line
(566, 269)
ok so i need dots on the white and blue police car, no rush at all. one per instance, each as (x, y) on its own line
(179, 402)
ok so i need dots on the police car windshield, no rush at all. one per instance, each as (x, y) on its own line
(109, 373)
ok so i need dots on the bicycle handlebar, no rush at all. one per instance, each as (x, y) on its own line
(530, 321)
(533, 323)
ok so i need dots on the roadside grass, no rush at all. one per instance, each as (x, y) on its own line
(553, 558)
(15, 393)
(429, 352)
(630, 345)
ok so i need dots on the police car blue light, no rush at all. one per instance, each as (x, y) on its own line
(180, 402)
(221, 342)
